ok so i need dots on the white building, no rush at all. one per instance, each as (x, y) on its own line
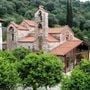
(1, 39)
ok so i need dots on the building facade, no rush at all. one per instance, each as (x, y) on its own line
(36, 35)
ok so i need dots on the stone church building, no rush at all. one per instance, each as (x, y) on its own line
(36, 35)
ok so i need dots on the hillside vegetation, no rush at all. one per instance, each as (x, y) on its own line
(17, 10)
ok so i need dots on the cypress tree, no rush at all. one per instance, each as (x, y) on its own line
(69, 13)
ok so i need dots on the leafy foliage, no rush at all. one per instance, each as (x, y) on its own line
(9, 76)
(8, 56)
(41, 70)
(79, 79)
(69, 13)
(33, 69)
(17, 10)
(20, 53)
(85, 66)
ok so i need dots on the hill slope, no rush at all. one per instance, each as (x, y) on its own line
(17, 10)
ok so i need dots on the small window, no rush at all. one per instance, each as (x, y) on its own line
(67, 37)
(40, 26)
(40, 15)
(12, 36)
(12, 33)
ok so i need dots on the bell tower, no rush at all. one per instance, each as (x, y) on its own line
(41, 31)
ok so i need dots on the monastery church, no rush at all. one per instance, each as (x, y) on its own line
(36, 35)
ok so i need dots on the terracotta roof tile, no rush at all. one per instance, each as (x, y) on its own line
(66, 47)
(30, 23)
(27, 39)
(32, 39)
(19, 27)
(59, 29)
(55, 30)
(51, 39)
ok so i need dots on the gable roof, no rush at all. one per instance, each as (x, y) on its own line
(66, 47)
(59, 30)
(30, 23)
(29, 39)
(50, 38)
(19, 27)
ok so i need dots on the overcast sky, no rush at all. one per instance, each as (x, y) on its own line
(84, 0)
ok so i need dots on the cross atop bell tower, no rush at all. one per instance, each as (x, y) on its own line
(41, 31)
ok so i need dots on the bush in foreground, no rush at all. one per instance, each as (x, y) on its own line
(79, 79)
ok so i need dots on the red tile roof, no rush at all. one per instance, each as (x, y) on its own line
(66, 47)
(30, 23)
(59, 29)
(32, 39)
(19, 27)
(51, 39)
(54, 30)
(27, 39)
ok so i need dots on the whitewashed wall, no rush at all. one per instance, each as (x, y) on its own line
(0, 36)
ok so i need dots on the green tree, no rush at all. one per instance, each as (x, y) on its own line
(78, 33)
(29, 14)
(69, 13)
(61, 17)
(8, 56)
(79, 79)
(41, 70)
(60, 11)
(87, 25)
(85, 66)
(20, 53)
(52, 20)
(9, 76)
(50, 6)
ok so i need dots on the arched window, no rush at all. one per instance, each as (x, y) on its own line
(40, 26)
(12, 33)
(67, 37)
(40, 15)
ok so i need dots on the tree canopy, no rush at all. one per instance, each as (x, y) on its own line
(39, 70)
(20, 53)
(29, 69)
(79, 79)
(17, 10)
(9, 76)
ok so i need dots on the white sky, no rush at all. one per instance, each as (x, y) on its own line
(84, 0)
